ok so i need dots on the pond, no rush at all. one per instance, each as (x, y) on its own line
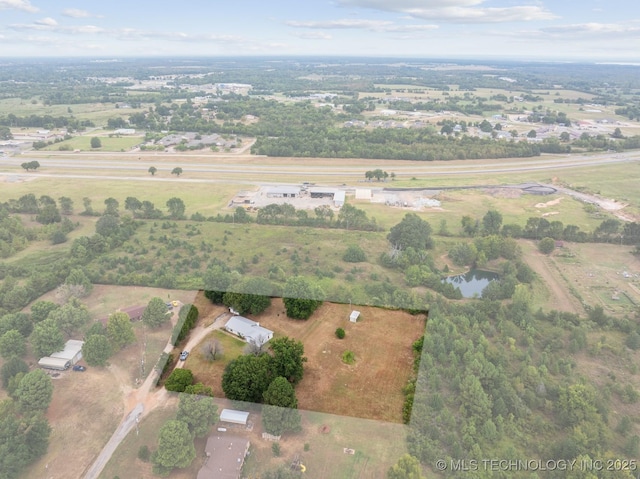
(473, 282)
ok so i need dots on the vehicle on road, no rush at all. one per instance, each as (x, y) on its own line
(77, 367)
(184, 355)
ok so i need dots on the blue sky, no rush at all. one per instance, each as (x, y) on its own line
(514, 29)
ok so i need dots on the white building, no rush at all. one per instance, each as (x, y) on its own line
(248, 330)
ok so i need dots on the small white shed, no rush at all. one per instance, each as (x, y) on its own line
(234, 417)
(353, 317)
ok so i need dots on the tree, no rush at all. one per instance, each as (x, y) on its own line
(108, 225)
(120, 330)
(96, 350)
(12, 343)
(532, 134)
(340, 334)
(176, 171)
(301, 297)
(155, 314)
(176, 208)
(30, 165)
(212, 349)
(152, 170)
(132, 204)
(71, 316)
(175, 447)
(617, 133)
(79, 278)
(247, 378)
(254, 302)
(354, 254)
(18, 321)
(407, 467)
(280, 411)
(199, 389)
(178, 380)
(96, 142)
(46, 338)
(111, 207)
(199, 412)
(288, 358)
(546, 245)
(49, 214)
(412, 232)
(492, 222)
(11, 368)
(66, 205)
(34, 391)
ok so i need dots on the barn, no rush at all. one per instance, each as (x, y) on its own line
(248, 330)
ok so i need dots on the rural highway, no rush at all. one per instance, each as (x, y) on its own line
(52, 166)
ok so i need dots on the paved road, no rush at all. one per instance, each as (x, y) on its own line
(319, 168)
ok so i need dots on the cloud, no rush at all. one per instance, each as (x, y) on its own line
(373, 25)
(455, 11)
(48, 21)
(313, 35)
(594, 29)
(77, 13)
(24, 5)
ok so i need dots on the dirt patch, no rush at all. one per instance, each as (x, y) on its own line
(549, 203)
(504, 192)
(550, 213)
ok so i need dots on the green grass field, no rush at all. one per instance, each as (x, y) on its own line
(83, 143)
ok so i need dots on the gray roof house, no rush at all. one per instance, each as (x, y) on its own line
(248, 330)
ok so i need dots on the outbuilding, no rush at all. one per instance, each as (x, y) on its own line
(59, 364)
(72, 351)
(283, 192)
(353, 317)
(234, 417)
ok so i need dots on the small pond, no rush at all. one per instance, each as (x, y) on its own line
(473, 282)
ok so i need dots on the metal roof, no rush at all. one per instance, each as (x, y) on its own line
(250, 330)
(234, 416)
(225, 456)
(281, 190)
(70, 351)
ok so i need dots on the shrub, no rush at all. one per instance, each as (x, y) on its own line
(354, 254)
(178, 380)
(144, 454)
(348, 357)
(275, 448)
(340, 334)
(547, 245)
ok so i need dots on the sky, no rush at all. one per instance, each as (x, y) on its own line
(562, 30)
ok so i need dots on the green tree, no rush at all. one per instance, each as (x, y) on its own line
(11, 368)
(354, 254)
(175, 448)
(340, 334)
(77, 277)
(247, 377)
(34, 391)
(120, 330)
(255, 300)
(280, 412)
(199, 412)
(155, 314)
(108, 226)
(301, 297)
(547, 245)
(532, 134)
(96, 142)
(178, 380)
(152, 170)
(176, 171)
(407, 467)
(96, 350)
(49, 214)
(66, 205)
(288, 358)
(41, 309)
(12, 343)
(133, 204)
(176, 208)
(46, 338)
(492, 222)
(411, 232)
(71, 316)
(18, 321)
(111, 205)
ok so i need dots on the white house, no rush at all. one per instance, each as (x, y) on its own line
(72, 351)
(248, 330)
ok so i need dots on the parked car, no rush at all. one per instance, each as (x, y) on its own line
(184, 355)
(169, 305)
(77, 367)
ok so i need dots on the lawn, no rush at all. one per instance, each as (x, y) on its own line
(83, 143)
